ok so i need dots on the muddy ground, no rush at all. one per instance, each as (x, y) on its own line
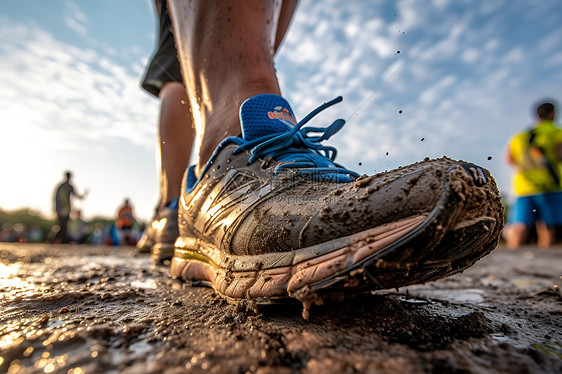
(76, 309)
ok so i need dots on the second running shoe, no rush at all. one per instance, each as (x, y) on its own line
(273, 216)
(160, 235)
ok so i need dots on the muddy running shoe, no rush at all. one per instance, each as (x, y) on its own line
(144, 245)
(273, 216)
(159, 237)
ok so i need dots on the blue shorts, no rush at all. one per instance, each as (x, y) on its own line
(542, 207)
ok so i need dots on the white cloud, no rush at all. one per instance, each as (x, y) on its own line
(433, 93)
(516, 55)
(470, 55)
(489, 7)
(555, 60)
(551, 42)
(75, 11)
(61, 106)
(64, 83)
(413, 14)
(382, 46)
(394, 69)
(75, 25)
(75, 18)
(440, 3)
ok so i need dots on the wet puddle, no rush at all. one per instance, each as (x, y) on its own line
(464, 296)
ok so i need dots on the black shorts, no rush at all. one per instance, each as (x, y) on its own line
(164, 66)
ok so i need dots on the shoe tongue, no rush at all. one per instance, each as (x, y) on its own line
(264, 115)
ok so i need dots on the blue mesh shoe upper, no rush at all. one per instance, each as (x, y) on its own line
(270, 130)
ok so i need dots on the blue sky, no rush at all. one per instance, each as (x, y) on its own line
(464, 74)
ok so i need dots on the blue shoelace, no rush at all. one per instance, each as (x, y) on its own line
(297, 149)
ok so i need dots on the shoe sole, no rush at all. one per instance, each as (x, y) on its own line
(145, 243)
(422, 248)
(162, 252)
(144, 249)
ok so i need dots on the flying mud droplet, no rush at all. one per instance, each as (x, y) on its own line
(387, 153)
(400, 111)
(422, 139)
(360, 163)
(397, 52)
(489, 158)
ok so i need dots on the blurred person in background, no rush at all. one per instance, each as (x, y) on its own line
(536, 155)
(124, 224)
(63, 206)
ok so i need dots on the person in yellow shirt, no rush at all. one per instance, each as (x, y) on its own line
(536, 155)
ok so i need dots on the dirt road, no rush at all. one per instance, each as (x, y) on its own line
(76, 309)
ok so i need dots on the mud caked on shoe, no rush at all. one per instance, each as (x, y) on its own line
(160, 235)
(273, 216)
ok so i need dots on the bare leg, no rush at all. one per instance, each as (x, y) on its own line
(176, 135)
(516, 235)
(546, 235)
(226, 53)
